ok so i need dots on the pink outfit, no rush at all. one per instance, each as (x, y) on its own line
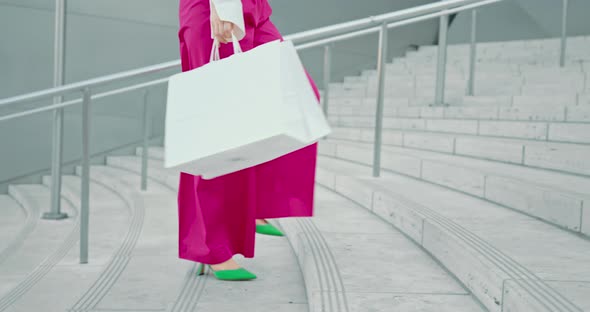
(217, 217)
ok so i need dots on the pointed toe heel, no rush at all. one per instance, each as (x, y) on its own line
(240, 274)
(268, 229)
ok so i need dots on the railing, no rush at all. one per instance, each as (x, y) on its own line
(321, 37)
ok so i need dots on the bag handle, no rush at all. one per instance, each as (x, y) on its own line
(215, 48)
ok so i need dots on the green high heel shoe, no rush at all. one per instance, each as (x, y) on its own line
(268, 229)
(240, 274)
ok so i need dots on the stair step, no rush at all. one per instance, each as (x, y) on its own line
(500, 255)
(154, 152)
(107, 208)
(569, 132)
(568, 158)
(13, 218)
(336, 243)
(554, 197)
(201, 293)
(146, 245)
(363, 258)
(484, 86)
(576, 102)
(44, 246)
(155, 168)
(494, 112)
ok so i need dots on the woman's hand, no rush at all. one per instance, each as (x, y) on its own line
(221, 30)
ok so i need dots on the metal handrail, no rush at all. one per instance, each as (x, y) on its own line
(90, 83)
(296, 38)
(393, 24)
(321, 37)
(97, 96)
(377, 20)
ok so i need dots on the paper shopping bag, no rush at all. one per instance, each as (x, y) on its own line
(241, 111)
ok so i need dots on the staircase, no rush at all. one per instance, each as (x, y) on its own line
(494, 185)
(482, 205)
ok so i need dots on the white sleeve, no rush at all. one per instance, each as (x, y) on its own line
(231, 11)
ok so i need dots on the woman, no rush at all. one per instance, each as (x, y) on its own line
(218, 218)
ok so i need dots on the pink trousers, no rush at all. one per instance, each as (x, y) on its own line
(217, 217)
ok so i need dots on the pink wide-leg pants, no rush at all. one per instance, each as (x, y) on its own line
(217, 217)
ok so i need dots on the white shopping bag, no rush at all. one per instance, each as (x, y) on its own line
(240, 111)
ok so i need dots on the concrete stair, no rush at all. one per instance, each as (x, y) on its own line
(501, 256)
(555, 197)
(457, 87)
(133, 263)
(532, 50)
(353, 261)
(494, 186)
(399, 78)
(505, 68)
(368, 104)
(344, 273)
(550, 131)
(561, 157)
(274, 263)
(67, 279)
(562, 108)
(38, 247)
(13, 224)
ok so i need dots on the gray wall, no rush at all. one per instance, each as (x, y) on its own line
(522, 19)
(108, 36)
(100, 40)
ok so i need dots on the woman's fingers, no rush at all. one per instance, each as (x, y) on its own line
(214, 28)
(217, 29)
(221, 33)
(221, 30)
(228, 28)
(216, 24)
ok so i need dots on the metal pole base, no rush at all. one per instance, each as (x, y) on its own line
(54, 216)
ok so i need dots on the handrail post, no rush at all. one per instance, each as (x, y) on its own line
(327, 76)
(381, 64)
(85, 187)
(58, 115)
(472, 53)
(145, 148)
(564, 12)
(441, 71)
(55, 212)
